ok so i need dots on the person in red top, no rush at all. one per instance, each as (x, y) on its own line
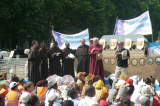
(102, 96)
(129, 84)
(4, 88)
(96, 64)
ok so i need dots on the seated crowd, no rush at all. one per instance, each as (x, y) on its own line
(85, 91)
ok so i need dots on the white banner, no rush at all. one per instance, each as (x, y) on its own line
(113, 44)
(73, 39)
(102, 42)
(140, 25)
(153, 49)
(140, 43)
(128, 43)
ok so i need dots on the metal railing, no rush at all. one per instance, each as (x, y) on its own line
(13, 66)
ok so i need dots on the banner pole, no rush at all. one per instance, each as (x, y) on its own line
(152, 37)
(115, 26)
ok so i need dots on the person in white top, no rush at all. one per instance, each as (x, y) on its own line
(52, 88)
(88, 100)
(24, 98)
(53, 99)
(73, 96)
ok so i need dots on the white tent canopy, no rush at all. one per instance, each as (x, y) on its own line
(122, 38)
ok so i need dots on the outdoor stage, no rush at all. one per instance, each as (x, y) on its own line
(138, 64)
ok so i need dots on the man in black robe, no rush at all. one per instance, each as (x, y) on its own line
(83, 57)
(68, 60)
(34, 62)
(55, 56)
(44, 60)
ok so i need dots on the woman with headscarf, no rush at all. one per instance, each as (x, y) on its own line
(55, 56)
(44, 60)
(146, 92)
(68, 60)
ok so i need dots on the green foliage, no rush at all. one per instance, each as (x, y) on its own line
(21, 20)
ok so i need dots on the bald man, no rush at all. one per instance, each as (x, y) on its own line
(83, 57)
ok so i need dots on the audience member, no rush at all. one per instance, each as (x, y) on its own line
(53, 99)
(73, 96)
(29, 87)
(13, 95)
(4, 88)
(88, 100)
(33, 101)
(41, 91)
(68, 103)
(24, 98)
(52, 88)
(2, 101)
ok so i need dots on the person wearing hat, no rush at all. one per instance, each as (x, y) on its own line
(129, 84)
(4, 88)
(52, 88)
(122, 55)
(102, 96)
(12, 97)
(145, 101)
(146, 92)
(52, 99)
(96, 64)
(24, 98)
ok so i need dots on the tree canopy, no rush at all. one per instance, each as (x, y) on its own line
(25, 20)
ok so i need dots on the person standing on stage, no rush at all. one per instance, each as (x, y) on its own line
(44, 60)
(83, 57)
(34, 62)
(96, 64)
(55, 56)
(68, 60)
(122, 55)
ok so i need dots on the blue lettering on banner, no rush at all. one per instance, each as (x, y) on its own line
(75, 41)
(137, 21)
(143, 25)
(69, 37)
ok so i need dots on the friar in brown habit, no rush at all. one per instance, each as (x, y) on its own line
(44, 60)
(55, 57)
(34, 62)
(83, 57)
(68, 61)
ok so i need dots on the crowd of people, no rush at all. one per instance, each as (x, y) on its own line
(83, 90)
(45, 85)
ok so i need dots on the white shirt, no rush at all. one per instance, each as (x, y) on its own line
(87, 101)
(56, 104)
(22, 104)
(47, 93)
(75, 101)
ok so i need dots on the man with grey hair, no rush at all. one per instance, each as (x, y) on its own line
(96, 64)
